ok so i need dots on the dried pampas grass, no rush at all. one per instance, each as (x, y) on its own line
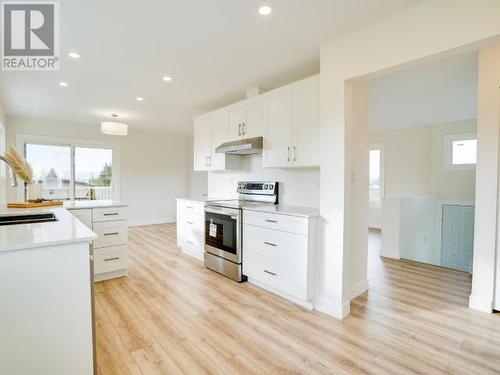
(21, 166)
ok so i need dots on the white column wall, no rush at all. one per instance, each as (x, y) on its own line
(485, 236)
(428, 30)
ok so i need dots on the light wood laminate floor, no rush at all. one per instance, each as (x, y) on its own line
(173, 316)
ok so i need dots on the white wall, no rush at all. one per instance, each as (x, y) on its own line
(3, 176)
(297, 186)
(155, 168)
(414, 162)
(416, 35)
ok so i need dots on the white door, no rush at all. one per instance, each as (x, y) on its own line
(218, 135)
(236, 117)
(252, 124)
(277, 105)
(306, 123)
(201, 142)
(457, 237)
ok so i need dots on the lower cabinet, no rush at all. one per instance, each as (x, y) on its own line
(191, 227)
(111, 247)
(280, 254)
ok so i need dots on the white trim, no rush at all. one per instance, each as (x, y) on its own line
(337, 311)
(358, 289)
(306, 304)
(448, 140)
(481, 303)
(22, 139)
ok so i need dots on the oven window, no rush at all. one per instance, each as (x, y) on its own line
(220, 232)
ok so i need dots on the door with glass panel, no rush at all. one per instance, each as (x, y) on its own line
(64, 172)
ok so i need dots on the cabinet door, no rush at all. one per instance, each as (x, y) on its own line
(252, 124)
(306, 123)
(201, 143)
(218, 135)
(236, 117)
(277, 127)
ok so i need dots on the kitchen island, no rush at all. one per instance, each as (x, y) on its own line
(46, 315)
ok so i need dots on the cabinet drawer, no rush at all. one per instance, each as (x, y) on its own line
(283, 223)
(111, 233)
(196, 208)
(285, 247)
(108, 214)
(191, 227)
(85, 216)
(278, 275)
(110, 259)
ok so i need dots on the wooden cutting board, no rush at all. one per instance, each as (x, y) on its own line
(34, 204)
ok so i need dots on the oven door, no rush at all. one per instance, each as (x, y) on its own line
(223, 232)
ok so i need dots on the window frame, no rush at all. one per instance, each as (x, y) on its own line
(448, 151)
(23, 139)
(377, 147)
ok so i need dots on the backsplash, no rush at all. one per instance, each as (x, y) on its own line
(298, 187)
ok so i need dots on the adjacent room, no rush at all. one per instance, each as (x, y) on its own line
(247, 187)
(423, 154)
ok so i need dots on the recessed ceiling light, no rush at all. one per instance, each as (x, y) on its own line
(63, 84)
(265, 10)
(140, 99)
(74, 55)
(167, 78)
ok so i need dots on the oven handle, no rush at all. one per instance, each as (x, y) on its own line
(223, 211)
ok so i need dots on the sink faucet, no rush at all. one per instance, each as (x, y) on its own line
(12, 172)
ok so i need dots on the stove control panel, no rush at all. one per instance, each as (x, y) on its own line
(258, 187)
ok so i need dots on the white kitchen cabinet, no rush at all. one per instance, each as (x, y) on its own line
(191, 227)
(306, 123)
(218, 135)
(210, 131)
(111, 246)
(277, 127)
(280, 254)
(291, 125)
(201, 142)
(245, 119)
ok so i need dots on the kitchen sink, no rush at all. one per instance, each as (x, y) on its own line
(28, 218)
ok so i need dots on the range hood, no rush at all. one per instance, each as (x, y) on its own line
(247, 146)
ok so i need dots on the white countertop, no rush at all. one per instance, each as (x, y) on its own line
(83, 204)
(67, 229)
(282, 209)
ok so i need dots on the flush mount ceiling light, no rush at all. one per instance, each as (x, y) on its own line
(167, 78)
(139, 99)
(113, 127)
(74, 55)
(265, 10)
(63, 84)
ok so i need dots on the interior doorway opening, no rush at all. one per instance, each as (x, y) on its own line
(422, 159)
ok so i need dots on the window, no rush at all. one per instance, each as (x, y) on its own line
(376, 176)
(68, 170)
(461, 151)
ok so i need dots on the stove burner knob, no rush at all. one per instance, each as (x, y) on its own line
(271, 187)
(265, 186)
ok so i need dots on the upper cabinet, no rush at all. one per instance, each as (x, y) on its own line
(210, 131)
(287, 118)
(291, 125)
(245, 119)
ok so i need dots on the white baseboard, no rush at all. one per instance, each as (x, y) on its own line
(358, 289)
(337, 311)
(140, 223)
(481, 303)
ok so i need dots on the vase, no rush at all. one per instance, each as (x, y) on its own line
(34, 191)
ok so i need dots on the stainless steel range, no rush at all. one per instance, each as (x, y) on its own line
(223, 226)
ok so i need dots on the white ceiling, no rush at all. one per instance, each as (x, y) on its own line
(213, 49)
(442, 91)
